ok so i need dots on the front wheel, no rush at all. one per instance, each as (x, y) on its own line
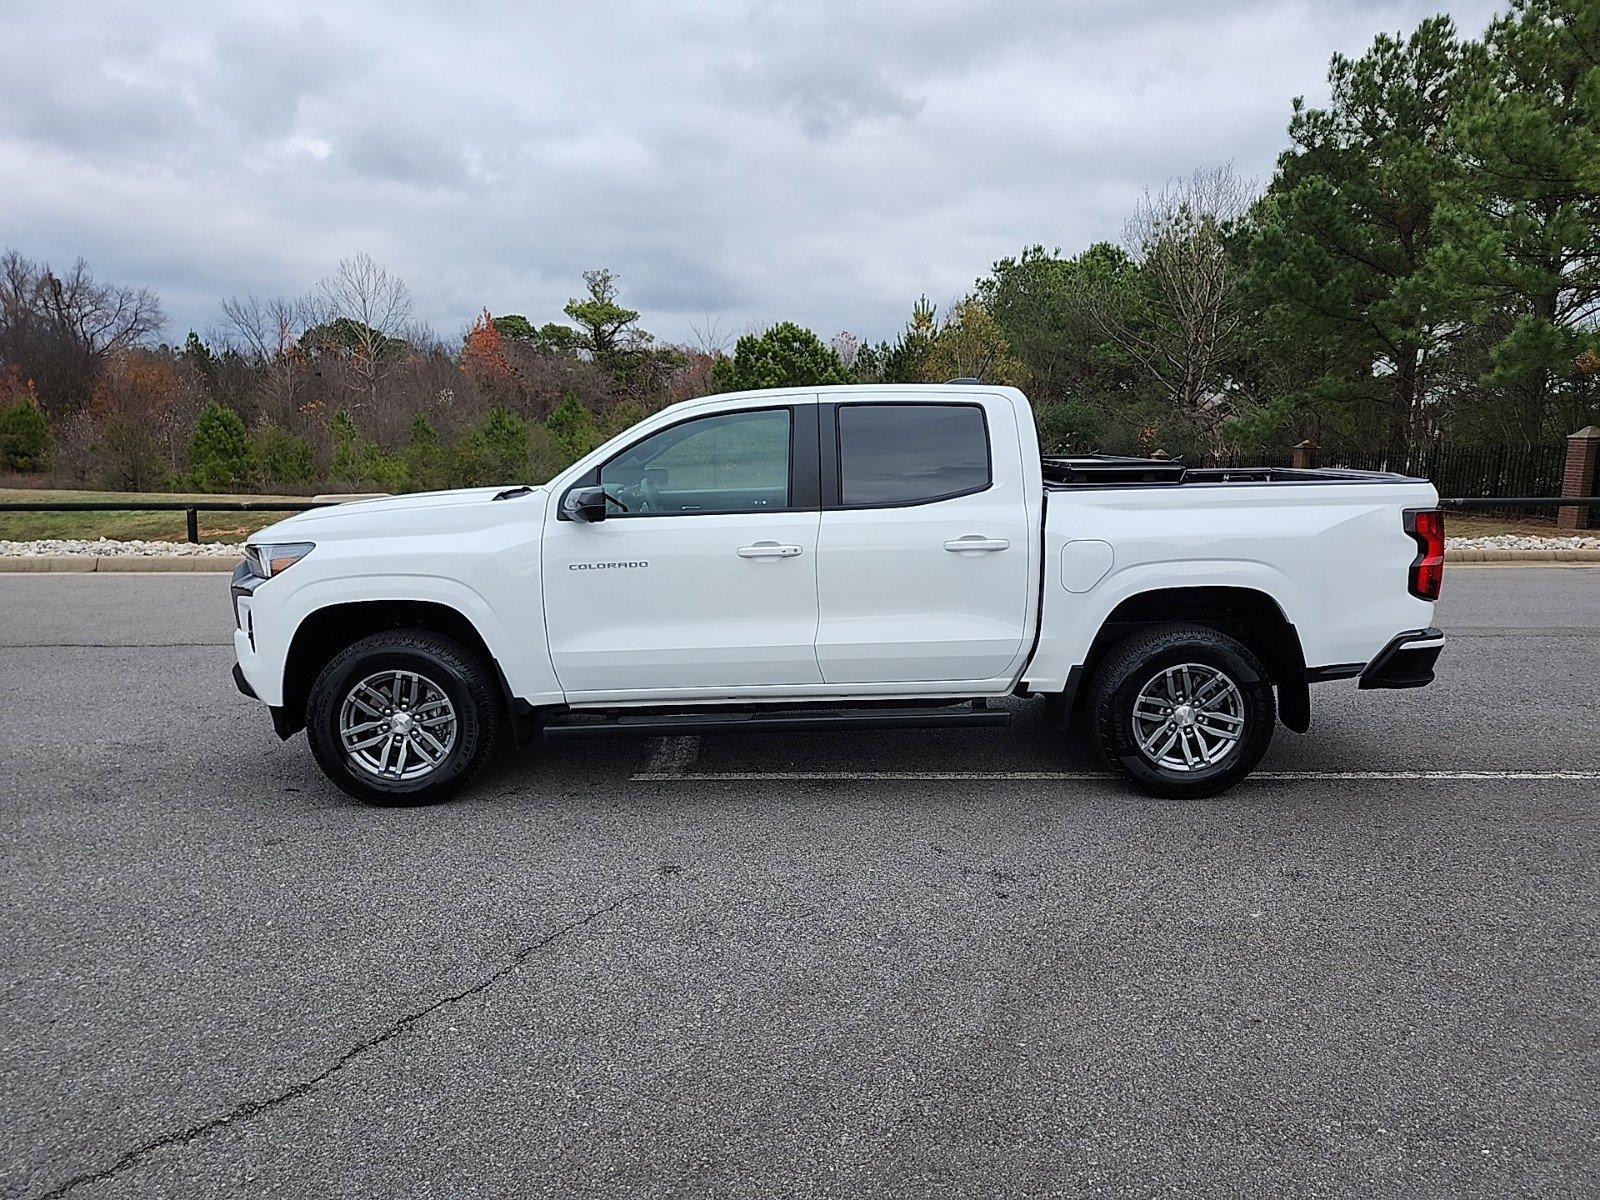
(1183, 710)
(406, 716)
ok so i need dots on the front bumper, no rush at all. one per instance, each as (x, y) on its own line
(1406, 662)
(251, 674)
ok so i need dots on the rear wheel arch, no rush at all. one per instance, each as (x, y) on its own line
(1248, 615)
(324, 632)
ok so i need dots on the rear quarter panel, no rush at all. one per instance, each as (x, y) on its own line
(1334, 556)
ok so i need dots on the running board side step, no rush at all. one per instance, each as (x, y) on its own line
(676, 725)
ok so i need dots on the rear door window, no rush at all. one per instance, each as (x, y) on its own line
(897, 454)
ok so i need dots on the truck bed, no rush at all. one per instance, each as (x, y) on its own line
(1106, 470)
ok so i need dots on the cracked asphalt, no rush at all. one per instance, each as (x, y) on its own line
(222, 977)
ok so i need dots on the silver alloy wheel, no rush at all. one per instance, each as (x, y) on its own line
(1188, 718)
(397, 725)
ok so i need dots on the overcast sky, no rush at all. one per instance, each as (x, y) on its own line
(757, 161)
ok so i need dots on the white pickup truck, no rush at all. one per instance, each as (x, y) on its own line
(837, 558)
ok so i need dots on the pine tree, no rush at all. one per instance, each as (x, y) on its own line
(24, 436)
(572, 429)
(1524, 216)
(505, 440)
(784, 356)
(1348, 227)
(425, 465)
(907, 359)
(219, 451)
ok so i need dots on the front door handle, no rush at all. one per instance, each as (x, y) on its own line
(974, 541)
(768, 550)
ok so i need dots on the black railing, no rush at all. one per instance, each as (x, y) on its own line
(190, 508)
(1475, 471)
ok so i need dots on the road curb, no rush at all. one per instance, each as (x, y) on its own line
(1528, 557)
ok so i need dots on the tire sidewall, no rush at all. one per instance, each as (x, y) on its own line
(327, 699)
(1116, 724)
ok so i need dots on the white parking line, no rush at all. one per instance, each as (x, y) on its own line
(665, 775)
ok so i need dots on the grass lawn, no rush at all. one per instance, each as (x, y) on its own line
(1470, 524)
(127, 526)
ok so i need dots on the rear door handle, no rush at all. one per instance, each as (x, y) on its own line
(974, 541)
(768, 550)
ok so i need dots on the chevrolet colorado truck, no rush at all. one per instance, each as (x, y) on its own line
(837, 557)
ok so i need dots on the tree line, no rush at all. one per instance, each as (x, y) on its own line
(1423, 267)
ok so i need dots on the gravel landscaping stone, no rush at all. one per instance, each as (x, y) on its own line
(106, 548)
(1516, 541)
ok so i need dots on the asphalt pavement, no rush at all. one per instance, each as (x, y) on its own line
(897, 963)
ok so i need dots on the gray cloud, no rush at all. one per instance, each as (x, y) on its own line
(761, 160)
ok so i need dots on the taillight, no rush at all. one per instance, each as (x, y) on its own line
(1426, 527)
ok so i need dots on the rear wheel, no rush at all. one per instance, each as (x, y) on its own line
(403, 717)
(1183, 710)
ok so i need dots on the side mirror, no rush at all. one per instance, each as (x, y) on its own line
(589, 504)
(585, 504)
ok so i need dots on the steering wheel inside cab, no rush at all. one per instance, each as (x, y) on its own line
(643, 496)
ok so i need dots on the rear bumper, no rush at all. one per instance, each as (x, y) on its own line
(1406, 662)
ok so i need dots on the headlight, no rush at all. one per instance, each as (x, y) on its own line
(267, 561)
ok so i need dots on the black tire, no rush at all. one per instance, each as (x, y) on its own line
(1139, 660)
(455, 670)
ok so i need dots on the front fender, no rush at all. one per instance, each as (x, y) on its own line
(521, 657)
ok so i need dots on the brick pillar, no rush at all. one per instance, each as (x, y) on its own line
(1305, 456)
(1581, 478)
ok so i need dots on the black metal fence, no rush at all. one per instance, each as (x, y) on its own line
(191, 509)
(1487, 471)
(1465, 472)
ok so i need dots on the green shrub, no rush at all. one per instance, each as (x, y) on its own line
(505, 441)
(462, 462)
(128, 457)
(283, 456)
(359, 464)
(572, 430)
(24, 437)
(425, 458)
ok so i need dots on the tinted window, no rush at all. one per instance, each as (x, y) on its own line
(904, 453)
(731, 462)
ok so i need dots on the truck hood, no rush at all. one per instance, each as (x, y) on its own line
(461, 508)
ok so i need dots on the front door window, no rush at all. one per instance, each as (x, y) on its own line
(728, 463)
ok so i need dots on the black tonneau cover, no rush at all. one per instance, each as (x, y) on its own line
(1111, 470)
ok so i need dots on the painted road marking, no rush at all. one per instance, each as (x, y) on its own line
(661, 776)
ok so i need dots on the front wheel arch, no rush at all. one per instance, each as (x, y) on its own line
(326, 631)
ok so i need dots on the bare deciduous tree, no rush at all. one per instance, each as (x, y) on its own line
(1180, 315)
(267, 334)
(375, 308)
(709, 335)
(61, 328)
